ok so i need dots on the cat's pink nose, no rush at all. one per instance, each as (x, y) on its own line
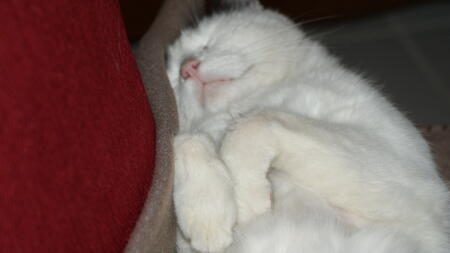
(189, 68)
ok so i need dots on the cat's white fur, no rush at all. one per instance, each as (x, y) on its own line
(295, 153)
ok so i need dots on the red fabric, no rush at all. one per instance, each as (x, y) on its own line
(76, 134)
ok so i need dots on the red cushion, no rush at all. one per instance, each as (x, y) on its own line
(76, 133)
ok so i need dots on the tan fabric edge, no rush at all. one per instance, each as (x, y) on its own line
(155, 228)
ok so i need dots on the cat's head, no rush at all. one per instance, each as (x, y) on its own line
(228, 55)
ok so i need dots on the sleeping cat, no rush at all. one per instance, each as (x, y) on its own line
(283, 150)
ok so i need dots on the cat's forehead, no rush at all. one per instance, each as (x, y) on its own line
(217, 24)
(233, 25)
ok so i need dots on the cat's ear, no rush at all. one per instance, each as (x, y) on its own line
(255, 4)
(245, 3)
(236, 4)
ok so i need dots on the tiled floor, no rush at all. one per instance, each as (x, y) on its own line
(406, 52)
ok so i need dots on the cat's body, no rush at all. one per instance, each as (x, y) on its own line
(350, 173)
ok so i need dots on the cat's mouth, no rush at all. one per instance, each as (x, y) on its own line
(190, 71)
(205, 82)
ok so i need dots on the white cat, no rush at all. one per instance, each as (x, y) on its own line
(282, 150)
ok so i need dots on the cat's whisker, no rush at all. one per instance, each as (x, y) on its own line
(274, 34)
(286, 46)
(281, 48)
(255, 45)
(313, 20)
(296, 25)
(191, 11)
(194, 10)
(263, 72)
(323, 34)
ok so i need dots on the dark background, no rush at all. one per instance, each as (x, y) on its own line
(138, 14)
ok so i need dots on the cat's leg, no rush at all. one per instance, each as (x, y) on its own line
(346, 165)
(351, 167)
(203, 194)
(248, 152)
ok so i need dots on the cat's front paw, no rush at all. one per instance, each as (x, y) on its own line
(203, 195)
(207, 216)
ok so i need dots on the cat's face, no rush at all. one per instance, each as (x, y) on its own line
(229, 55)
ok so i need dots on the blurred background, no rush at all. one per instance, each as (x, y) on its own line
(403, 46)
